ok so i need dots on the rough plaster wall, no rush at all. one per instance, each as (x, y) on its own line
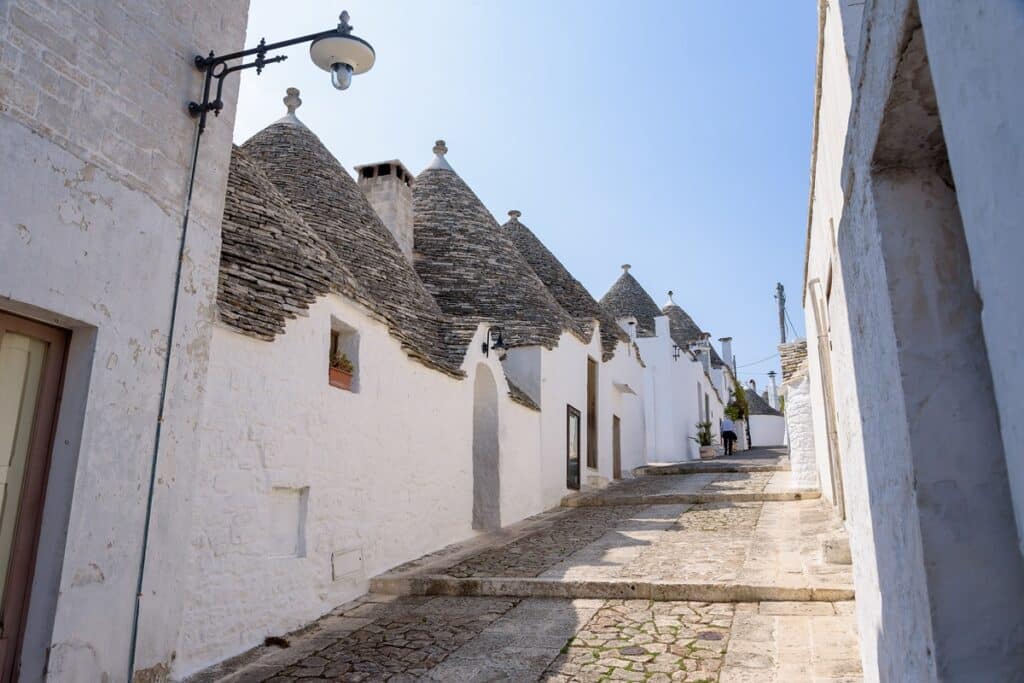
(391, 198)
(977, 55)
(800, 429)
(96, 146)
(965, 513)
(388, 471)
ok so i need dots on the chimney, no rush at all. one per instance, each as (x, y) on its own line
(774, 392)
(727, 358)
(388, 187)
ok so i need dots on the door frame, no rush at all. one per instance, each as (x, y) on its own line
(616, 447)
(25, 543)
(592, 414)
(570, 482)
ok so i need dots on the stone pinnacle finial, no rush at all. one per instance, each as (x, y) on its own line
(515, 214)
(626, 267)
(292, 100)
(670, 302)
(440, 148)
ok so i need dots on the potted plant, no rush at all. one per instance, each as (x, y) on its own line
(340, 373)
(706, 440)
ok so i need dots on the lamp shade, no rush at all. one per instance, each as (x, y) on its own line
(342, 49)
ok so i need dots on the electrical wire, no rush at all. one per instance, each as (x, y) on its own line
(757, 362)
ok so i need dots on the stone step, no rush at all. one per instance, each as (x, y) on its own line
(709, 467)
(607, 589)
(598, 499)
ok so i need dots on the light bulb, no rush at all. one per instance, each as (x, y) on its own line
(341, 75)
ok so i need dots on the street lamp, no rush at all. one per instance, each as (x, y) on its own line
(335, 50)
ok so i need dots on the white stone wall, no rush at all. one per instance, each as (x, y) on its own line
(800, 432)
(387, 475)
(902, 599)
(767, 430)
(671, 403)
(95, 148)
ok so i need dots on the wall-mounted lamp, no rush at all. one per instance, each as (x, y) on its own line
(676, 352)
(498, 345)
(335, 50)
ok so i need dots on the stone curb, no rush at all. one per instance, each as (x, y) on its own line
(705, 468)
(609, 589)
(574, 501)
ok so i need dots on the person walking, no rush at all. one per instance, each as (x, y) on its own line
(728, 434)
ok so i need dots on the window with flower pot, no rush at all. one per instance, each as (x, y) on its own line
(343, 357)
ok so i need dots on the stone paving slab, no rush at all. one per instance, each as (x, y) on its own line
(694, 488)
(752, 460)
(711, 552)
(560, 641)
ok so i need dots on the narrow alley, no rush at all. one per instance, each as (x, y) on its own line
(700, 572)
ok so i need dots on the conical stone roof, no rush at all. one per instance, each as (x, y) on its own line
(756, 405)
(567, 290)
(272, 266)
(628, 298)
(684, 330)
(320, 191)
(472, 269)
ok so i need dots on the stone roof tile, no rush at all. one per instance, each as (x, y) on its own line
(474, 271)
(567, 290)
(319, 190)
(628, 298)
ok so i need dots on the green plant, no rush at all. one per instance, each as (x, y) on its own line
(339, 361)
(737, 407)
(705, 437)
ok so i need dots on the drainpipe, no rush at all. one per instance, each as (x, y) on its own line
(154, 457)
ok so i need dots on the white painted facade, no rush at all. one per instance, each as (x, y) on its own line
(385, 473)
(912, 305)
(800, 432)
(767, 430)
(675, 393)
(93, 195)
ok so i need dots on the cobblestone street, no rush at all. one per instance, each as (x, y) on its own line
(591, 593)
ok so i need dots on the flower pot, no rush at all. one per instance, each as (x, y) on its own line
(707, 452)
(340, 378)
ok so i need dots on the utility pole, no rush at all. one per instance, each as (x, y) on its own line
(780, 296)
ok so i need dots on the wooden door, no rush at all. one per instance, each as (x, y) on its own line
(31, 364)
(616, 447)
(591, 413)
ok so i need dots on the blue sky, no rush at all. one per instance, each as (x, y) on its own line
(674, 136)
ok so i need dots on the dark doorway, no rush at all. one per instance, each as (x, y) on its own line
(572, 448)
(31, 363)
(616, 447)
(592, 413)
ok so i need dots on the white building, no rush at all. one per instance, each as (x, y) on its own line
(914, 317)
(307, 489)
(682, 385)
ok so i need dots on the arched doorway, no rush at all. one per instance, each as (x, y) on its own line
(486, 463)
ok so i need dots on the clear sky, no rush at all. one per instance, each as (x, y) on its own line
(674, 136)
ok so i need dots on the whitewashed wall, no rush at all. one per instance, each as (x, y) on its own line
(767, 430)
(92, 196)
(671, 402)
(385, 474)
(800, 433)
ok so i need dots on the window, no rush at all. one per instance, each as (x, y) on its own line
(343, 356)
